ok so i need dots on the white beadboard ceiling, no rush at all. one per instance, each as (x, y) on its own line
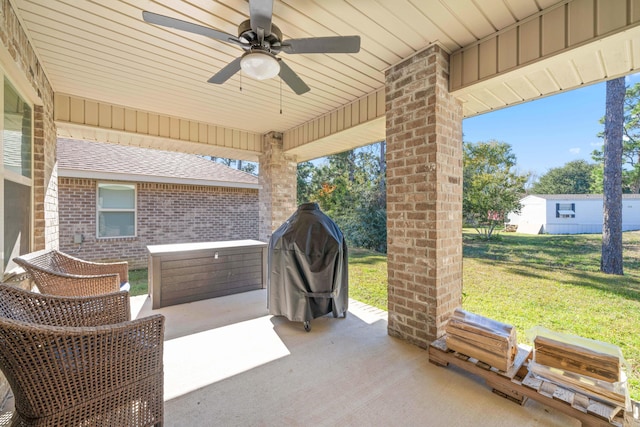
(103, 50)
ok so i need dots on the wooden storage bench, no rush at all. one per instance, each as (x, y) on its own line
(186, 272)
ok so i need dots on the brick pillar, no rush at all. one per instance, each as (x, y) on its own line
(278, 185)
(45, 181)
(23, 58)
(424, 197)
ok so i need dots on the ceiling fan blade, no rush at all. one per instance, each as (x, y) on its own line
(339, 44)
(292, 79)
(261, 14)
(166, 21)
(229, 70)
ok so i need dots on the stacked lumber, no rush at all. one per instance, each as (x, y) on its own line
(487, 340)
(584, 368)
(578, 359)
(518, 385)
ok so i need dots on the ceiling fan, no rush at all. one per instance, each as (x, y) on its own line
(261, 40)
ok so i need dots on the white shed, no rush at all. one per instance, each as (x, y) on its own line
(571, 213)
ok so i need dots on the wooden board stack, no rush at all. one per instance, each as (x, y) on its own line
(596, 374)
(487, 340)
(578, 359)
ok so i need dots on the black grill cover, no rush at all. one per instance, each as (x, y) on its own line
(307, 263)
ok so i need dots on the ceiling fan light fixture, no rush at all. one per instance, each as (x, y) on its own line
(259, 65)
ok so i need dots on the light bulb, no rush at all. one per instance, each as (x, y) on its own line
(259, 65)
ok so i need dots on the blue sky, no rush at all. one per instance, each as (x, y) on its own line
(548, 132)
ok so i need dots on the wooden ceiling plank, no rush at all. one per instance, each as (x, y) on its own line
(523, 88)
(522, 8)
(146, 67)
(334, 62)
(446, 23)
(153, 67)
(543, 82)
(188, 57)
(323, 78)
(589, 67)
(472, 17)
(489, 99)
(147, 80)
(564, 73)
(345, 20)
(617, 59)
(184, 111)
(412, 40)
(496, 12)
(504, 93)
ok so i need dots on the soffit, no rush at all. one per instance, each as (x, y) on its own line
(105, 51)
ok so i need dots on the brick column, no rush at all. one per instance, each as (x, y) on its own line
(45, 208)
(45, 180)
(424, 197)
(278, 185)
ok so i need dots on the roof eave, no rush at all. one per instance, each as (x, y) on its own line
(111, 176)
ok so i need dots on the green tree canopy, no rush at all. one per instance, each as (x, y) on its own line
(350, 188)
(630, 146)
(249, 167)
(305, 171)
(491, 187)
(575, 177)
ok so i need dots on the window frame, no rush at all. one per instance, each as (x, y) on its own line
(134, 210)
(12, 176)
(562, 211)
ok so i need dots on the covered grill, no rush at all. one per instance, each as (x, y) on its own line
(307, 262)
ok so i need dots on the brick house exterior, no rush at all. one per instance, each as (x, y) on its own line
(180, 198)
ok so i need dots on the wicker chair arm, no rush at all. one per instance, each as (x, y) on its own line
(64, 284)
(87, 268)
(105, 375)
(106, 309)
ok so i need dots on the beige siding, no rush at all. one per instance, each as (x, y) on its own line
(94, 114)
(554, 30)
(357, 113)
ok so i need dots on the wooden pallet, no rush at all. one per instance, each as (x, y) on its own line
(518, 385)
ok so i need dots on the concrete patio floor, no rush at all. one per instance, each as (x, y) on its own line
(227, 362)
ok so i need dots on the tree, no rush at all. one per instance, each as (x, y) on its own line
(350, 188)
(491, 187)
(611, 261)
(305, 170)
(249, 167)
(630, 146)
(573, 178)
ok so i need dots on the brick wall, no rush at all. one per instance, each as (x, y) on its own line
(424, 197)
(166, 213)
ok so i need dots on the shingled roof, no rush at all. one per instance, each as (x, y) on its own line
(98, 160)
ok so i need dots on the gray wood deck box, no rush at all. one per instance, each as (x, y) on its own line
(186, 272)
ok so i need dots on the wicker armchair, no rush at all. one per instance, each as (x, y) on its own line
(57, 273)
(79, 361)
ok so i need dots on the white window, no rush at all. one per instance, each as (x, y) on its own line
(116, 210)
(17, 173)
(565, 210)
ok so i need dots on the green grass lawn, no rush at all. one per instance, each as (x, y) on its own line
(545, 280)
(555, 282)
(526, 281)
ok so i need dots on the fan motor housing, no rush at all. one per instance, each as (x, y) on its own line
(245, 33)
